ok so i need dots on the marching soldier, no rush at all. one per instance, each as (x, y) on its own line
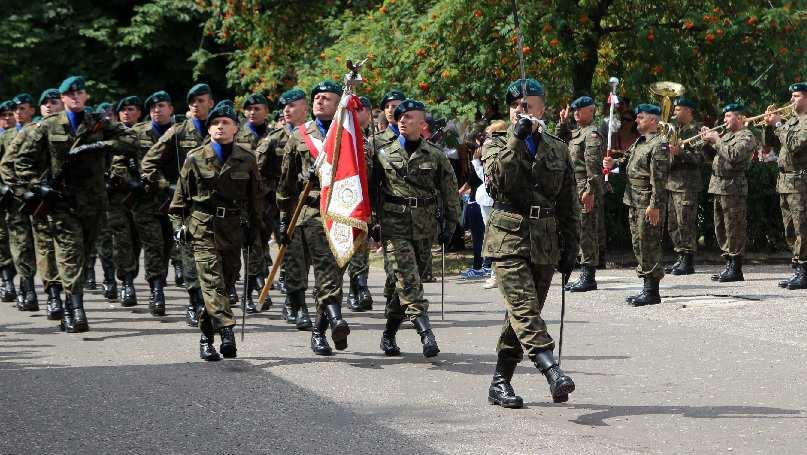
(732, 152)
(8, 293)
(6, 115)
(389, 103)
(533, 228)
(104, 245)
(63, 164)
(217, 207)
(160, 170)
(585, 149)
(647, 166)
(683, 188)
(411, 177)
(792, 181)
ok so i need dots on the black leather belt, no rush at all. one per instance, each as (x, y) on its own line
(534, 212)
(727, 176)
(420, 201)
(219, 212)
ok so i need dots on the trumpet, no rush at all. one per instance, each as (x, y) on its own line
(785, 111)
(696, 139)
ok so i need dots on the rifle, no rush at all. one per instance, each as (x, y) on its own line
(441, 220)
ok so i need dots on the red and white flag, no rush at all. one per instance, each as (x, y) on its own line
(344, 198)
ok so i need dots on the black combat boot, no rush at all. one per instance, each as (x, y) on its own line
(157, 300)
(55, 306)
(675, 264)
(424, 328)
(179, 276)
(586, 282)
(303, 321)
(9, 293)
(28, 299)
(109, 285)
(90, 282)
(560, 385)
(315, 296)
(249, 304)
(734, 271)
(128, 294)
(79, 316)
(21, 294)
(196, 303)
(716, 276)
(685, 265)
(783, 284)
(601, 265)
(800, 282)
(67, 315)
(352, 296)
(388, 344)
(232, 295)
(363, 293)
(207, 351)
(281, 281)
(227, 346)
(267, 303)
(339, 327)
(500, 391)
(319, 344)
(649, 294)
(291, 304)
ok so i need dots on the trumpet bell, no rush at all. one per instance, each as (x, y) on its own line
(667, 89)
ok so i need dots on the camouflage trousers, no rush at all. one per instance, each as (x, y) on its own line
(125, 241)
(682, 221)
(602, 233)
(260, 259)
(524, 287)
(403, 259)
(646, 241)
(21, 241)
(5, 250)
(215, 268)
(423, 250)
(360, 262)
(104, 244)
(589, 234)
(74, 237)
(730, 224)
(156, 239)
(309, 248)
(45, 252)
(794, 217)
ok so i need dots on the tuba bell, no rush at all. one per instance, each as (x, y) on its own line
(666, 91)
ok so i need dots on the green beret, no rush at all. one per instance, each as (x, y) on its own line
(648, 108)
(798, 87)
(71, 84)
(733, 107)
(534, 88)
(103, 107)
(290, 96)
(23, 98)
(366, 102)
(157, 97)
(686, 102)
(326, 86)
(129, 101)
(6, 106)
(255, 98)
(408, 105)
(581, 102)
(392, 95)
(224, 108)
(198, 90)
(49, 94)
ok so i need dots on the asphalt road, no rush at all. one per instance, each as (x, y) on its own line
(717, 368)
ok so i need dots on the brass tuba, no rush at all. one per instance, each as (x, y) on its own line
(666, 91)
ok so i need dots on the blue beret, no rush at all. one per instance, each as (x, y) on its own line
(129, 101)
(392, 95)
(103, 107)
(23, 98)
(366, 102)
(408, 105)
(798, 87)
(326, 86)
(290, 96)
(224, 108)
(255, 98)
(6, 106)
(686, 102)
(733, 107)
(156, 97)
(648, 108)
(71, 84)
(49, 94)
(198, 90)
(534, 88)
(583, 101)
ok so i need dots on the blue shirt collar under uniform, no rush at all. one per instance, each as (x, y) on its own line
(220, 151)
(394, 129)
(160, 129)
(322, 128)
(199, 126)
(72, 117)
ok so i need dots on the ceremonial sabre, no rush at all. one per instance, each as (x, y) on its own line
(613, 101)
(246, 292)
(564, 280)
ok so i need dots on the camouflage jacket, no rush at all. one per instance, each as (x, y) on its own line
(160, 165)
(247, 139)
(213, 198)
(686, 167)
(586, 150)
(647, 163)
(129, 168)
(7, 174)
(297, 161)
(792, 162)
(537, 210)
(733, 153)
(269, 153)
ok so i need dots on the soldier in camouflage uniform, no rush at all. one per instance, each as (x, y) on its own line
(6, 115)
(683, 189)
(309, 246)
(792, 181)
(217, 207)
(647, 165)
(533, 227)
(148, 210)
(585, 149)
(732, 152)
(411, 179)
(104, 245)
(160, 170)
(62, 162)
(8, 292)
